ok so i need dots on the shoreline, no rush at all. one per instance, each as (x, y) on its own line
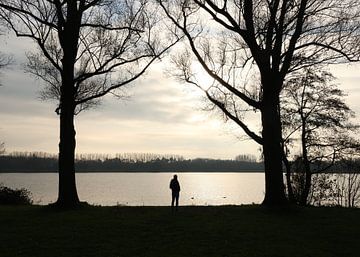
(167, 171)
(115, 171)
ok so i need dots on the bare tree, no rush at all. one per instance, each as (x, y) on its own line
(347, 185)
(348, 189)
(245, 158)
(336, 189)
(87, 49)
(268, 40)
(323, 190)
(315, 115)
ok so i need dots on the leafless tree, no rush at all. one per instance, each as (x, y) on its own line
(348, 190)
(314, 114)
(245, 158)
(323, 190)
(249, 47)
(347, 185)
(87, 49)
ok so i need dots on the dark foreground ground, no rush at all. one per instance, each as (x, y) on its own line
(193, 231)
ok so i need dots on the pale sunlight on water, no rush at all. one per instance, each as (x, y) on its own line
(134, 189)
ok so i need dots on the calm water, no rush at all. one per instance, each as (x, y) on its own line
(145, 188)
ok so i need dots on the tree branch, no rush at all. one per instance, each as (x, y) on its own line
(202, 62)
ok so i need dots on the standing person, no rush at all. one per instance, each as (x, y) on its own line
(175, 189)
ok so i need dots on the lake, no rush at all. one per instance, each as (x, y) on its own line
(149, 189)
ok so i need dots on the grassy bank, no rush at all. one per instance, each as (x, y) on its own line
(193, 231)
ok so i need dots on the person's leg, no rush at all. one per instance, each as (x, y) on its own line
(172, 200)
(177, 200)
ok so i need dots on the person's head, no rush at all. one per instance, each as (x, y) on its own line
(175, 177)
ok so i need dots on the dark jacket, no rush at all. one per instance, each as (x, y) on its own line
(174, 185)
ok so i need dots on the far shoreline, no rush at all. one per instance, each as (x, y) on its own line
(137, 171)
(163, 171)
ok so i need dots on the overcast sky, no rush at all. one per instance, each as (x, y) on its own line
(160, 116)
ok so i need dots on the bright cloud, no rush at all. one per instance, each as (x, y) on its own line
(160, 116)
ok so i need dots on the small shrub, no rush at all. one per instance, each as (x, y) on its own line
(15, 196)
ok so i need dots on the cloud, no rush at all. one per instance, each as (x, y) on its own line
(348, 79)
(160, 116)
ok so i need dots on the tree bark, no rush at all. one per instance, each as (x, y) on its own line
(68, 37)
(67, 195)
(272, 148)
(67, 184)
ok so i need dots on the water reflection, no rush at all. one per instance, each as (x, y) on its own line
(134, 189)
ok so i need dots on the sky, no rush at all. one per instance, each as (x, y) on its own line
(160, 115)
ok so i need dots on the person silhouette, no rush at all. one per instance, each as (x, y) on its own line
(175, 190)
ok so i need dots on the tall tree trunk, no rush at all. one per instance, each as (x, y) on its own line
(68, 37)
(290, 192)
(307, 186)
(306, 190)
(272, 150)
(67, 184)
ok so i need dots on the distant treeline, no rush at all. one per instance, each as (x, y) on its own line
(145, 162)
(127, 162)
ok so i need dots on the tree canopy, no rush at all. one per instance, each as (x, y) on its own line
(87, 49)
(249, 47)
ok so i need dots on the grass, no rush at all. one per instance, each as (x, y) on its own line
(247, 231)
